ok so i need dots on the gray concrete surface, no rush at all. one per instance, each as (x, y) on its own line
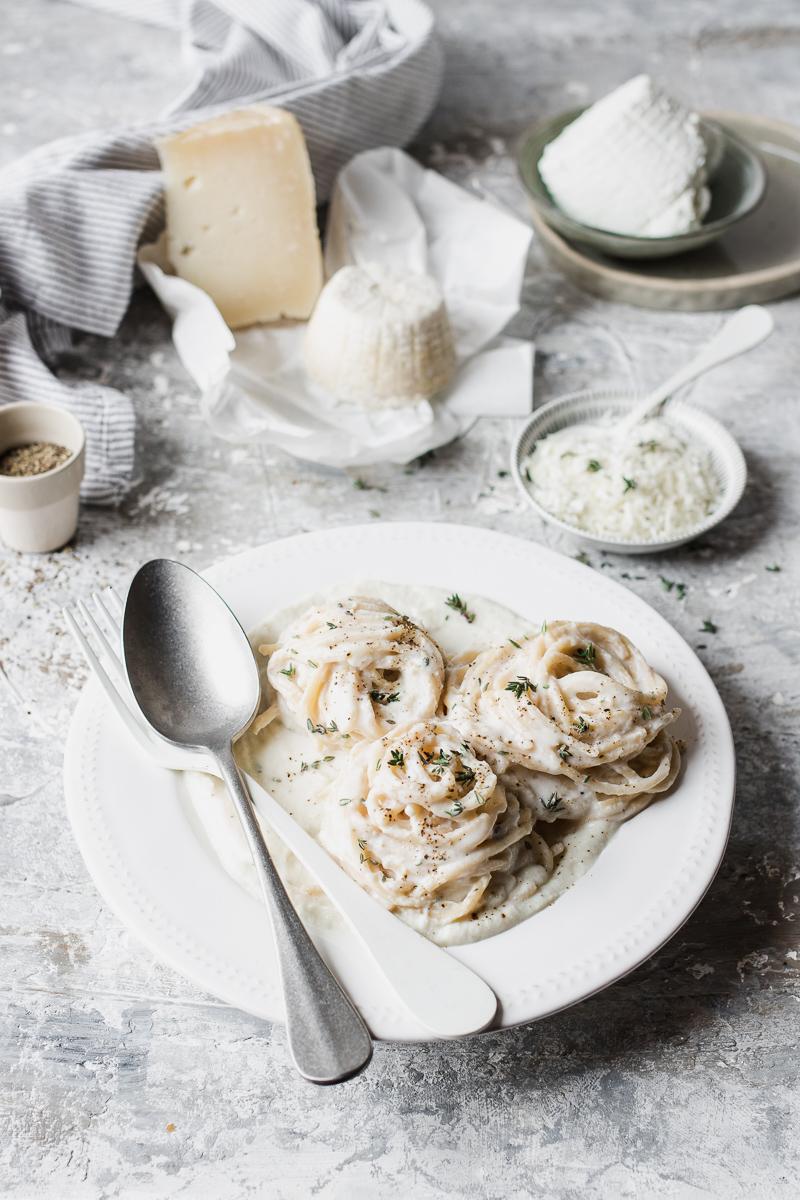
(116, 1076)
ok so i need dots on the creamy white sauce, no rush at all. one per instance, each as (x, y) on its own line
(653, 485)
(291, 765)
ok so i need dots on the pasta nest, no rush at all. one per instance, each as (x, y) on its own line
(355, 668)
(574, 697)
(615, 791)
(425, 826)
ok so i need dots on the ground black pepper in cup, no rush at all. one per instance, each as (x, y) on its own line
(34, 458)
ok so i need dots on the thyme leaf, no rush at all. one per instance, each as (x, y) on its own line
(668, 584)
(362, 486)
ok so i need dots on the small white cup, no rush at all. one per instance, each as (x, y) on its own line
(40, 512)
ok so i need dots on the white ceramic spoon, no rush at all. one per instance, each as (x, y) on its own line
(744, 330)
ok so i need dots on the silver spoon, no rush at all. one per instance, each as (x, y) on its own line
(193, 674)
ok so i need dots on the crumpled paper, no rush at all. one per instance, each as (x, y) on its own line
(385, 209)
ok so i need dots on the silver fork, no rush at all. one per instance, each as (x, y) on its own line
(444, 995)
(101, 646)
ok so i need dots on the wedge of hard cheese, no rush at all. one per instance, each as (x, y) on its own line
(241, 220)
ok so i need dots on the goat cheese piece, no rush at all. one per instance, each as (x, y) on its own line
(634, 163)
(241, 214)
(380, 338)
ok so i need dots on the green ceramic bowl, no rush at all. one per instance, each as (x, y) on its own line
(737, 183)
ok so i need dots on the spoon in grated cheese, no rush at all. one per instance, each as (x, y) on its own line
(745, 329)
(640, 479)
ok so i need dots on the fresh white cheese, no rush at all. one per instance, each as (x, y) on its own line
(241, 219)
(633, 163)
(380, 338)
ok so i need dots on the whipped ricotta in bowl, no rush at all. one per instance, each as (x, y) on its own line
(636, 163)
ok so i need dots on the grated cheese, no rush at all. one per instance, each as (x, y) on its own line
(653, 486)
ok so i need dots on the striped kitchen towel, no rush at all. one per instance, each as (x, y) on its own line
(356, 74)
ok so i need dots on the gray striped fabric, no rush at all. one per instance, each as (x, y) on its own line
(356, 73)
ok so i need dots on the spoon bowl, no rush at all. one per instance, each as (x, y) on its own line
(214, 700)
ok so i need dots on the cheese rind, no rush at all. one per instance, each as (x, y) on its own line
(634, 163)
(380, 338)
(241, 214)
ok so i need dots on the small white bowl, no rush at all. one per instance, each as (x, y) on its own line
(726, 458)
(40, 512)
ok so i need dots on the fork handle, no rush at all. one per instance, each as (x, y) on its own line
(328, 1039)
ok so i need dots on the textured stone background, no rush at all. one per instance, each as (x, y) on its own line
(117, 1077)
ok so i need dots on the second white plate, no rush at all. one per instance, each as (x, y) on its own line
(157, 871)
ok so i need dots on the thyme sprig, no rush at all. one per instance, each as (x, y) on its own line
(437, 762)
(586, 654)
(458, 605)
(320, 728)
(520, 686)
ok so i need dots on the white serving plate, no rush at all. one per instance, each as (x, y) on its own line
(153, 866)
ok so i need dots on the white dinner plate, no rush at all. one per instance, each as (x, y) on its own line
(153, 865)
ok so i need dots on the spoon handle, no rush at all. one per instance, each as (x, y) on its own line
(328, 1040)
(744, 330)
(443, 994)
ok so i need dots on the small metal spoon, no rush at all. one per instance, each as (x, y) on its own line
(194, 677)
